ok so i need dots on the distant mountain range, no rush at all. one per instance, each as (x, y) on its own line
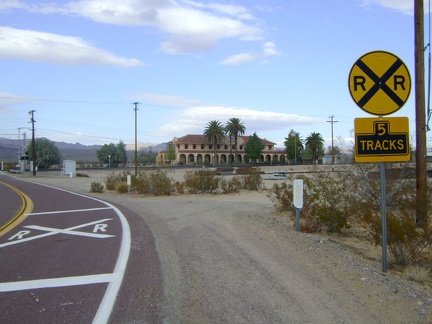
(83, 153)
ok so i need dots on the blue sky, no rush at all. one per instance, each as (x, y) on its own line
(276, 64)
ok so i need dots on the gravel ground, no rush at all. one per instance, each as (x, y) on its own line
(233, 259)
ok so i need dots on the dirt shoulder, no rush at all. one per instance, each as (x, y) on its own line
(233, 258)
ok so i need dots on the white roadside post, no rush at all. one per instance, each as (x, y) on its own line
(298, 200)
(128, 182)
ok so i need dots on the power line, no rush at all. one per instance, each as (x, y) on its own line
(82, 102)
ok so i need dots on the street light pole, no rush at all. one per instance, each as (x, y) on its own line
(136, 154)
(294, 134)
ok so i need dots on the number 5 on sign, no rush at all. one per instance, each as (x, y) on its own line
(298, 193)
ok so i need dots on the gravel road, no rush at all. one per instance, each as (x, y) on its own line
(231, 259)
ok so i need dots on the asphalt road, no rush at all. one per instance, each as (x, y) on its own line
(64, 256)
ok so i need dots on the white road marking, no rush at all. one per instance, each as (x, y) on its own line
(66, 231)
(55, 232)
(68, 211)
(107, 304)
(56, 282)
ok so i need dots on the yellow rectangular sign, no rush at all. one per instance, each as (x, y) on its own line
(382, 139)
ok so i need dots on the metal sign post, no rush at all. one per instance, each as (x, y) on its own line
(383, 216)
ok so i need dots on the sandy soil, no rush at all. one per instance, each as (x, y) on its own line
(234, 259)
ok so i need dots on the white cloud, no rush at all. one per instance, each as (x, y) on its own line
(47, 47)
(193, 120)
(404, 6)
(269, 49)
(188, 26)
(225, 9)
(7, 5)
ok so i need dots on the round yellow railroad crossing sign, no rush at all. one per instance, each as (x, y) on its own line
(379, 83)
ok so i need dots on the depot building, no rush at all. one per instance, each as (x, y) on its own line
(196, 149)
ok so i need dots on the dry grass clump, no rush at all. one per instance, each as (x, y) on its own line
(417, 273)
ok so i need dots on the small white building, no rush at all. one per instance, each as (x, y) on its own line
(69, 168)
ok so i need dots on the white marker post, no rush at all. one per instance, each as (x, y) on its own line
(129, 182)
(298, 200)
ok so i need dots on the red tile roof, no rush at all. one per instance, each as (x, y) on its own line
(198, 139)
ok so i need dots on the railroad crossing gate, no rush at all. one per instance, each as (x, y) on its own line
(379, 83)
(382, 139)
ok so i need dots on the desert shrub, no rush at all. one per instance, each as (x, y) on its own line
(327, 199)
(112, 180)
(122, 187)
(282, 195)
(155, 182)
(223, 184)
(252, 181)
(201, 182)
(141, 183)
(160, 183)
(230, 186)
(235, 184)
(407, 243)
(327, 202)
(96, 187)
(179, 187)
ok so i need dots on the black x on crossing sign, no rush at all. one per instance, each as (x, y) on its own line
(379, 83)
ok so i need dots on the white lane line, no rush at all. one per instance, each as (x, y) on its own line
(107, 304)
(52, 233)
(68, 211)
(66, 231)
(56, 282)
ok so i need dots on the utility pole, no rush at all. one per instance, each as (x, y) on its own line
(136, 154)
(331, 121)
(19, 145)
(421, 181)
(31, 112)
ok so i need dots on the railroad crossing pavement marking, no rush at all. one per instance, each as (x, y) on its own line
(106, 306)
(19, 237)
(57, 282)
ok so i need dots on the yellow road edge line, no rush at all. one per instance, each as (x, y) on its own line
(26, 208)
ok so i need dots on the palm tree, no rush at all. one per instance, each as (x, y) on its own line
(315, 143)
(235, 128)
(214, 132)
